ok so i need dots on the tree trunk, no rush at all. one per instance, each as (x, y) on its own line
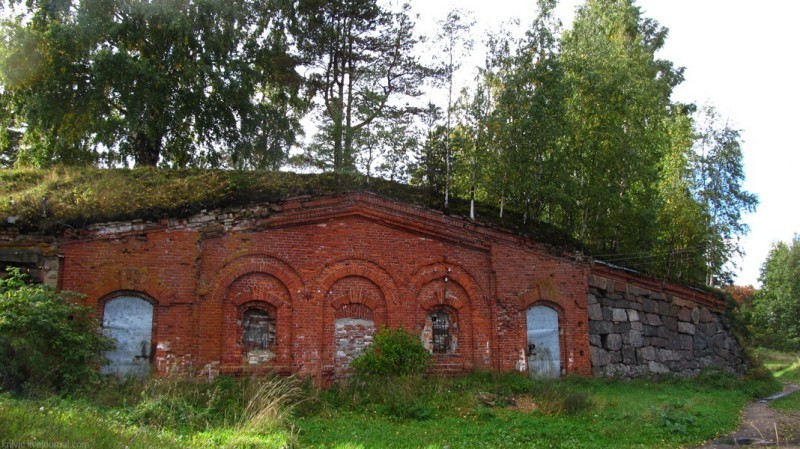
(146, 151)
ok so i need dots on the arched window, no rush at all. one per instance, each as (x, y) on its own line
(259, 343)
(442, 327)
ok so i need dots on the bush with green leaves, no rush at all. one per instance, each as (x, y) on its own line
(48, 341)
(393, 352)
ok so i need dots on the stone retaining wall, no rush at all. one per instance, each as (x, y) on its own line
(635, 331)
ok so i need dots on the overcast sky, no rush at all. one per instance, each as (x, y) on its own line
(740, 56)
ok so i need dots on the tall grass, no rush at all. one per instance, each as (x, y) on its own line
(176, 411)
(269, 403)
(479, 410)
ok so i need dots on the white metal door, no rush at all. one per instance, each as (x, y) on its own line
(129, 321)
(544, 355)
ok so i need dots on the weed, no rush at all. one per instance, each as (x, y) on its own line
(270, 402)
(576, 402)
(484, 414)
(77, 196)
(676, 418)
(553, 398)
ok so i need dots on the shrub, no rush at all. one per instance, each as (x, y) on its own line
(394, 352)
(47, 340)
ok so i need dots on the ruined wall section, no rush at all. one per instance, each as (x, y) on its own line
(335, 257)
(35, 255)
(158, 266)
(639, 326)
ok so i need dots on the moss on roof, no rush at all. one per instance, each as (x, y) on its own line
(48, 201)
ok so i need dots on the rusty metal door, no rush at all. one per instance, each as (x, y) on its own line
(129, 321)
(544, 354)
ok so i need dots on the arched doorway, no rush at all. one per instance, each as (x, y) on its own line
(129, 321)
(543, 350)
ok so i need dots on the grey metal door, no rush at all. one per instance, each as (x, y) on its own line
(129, 321)
(544, 354)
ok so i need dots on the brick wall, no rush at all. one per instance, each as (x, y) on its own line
(310, 262)
(325, 273)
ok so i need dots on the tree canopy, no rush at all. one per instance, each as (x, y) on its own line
(181, 82)
(578, 129)
(774, 314)
(574, 128)
(362, 59)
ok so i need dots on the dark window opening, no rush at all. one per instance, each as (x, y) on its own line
(440, 330)
(258, 332)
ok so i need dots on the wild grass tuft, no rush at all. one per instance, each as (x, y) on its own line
(270, 402)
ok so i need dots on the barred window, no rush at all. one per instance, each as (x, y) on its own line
(441, 332)
(258, 331)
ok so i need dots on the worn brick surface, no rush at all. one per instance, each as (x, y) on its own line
(313, 262)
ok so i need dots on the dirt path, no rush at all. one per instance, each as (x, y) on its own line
(762, 426)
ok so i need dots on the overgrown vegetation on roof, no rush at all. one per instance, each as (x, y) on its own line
(49, 201)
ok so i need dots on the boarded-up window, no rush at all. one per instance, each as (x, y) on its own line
(258, 335)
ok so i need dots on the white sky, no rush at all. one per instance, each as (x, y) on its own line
(740, 56)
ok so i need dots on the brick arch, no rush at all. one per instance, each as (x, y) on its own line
(354, 310)
(563, 337)
(101, 306)
(278, 296)
(454, 273)
(357, 295)
(360, 268)
(542, 291)
(543, 302)
(154, 351)
(256, 263)
(241, 312)
(354, 307)
(255, 304)
(433, 294)
(101, 303)
(450, 295)
(273, 282)
(533, 298)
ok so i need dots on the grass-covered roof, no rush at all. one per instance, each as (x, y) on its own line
(48, 201)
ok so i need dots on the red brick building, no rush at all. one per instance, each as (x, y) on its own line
(301, 287)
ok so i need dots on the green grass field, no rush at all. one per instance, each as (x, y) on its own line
(786, 369)
(481, 410)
